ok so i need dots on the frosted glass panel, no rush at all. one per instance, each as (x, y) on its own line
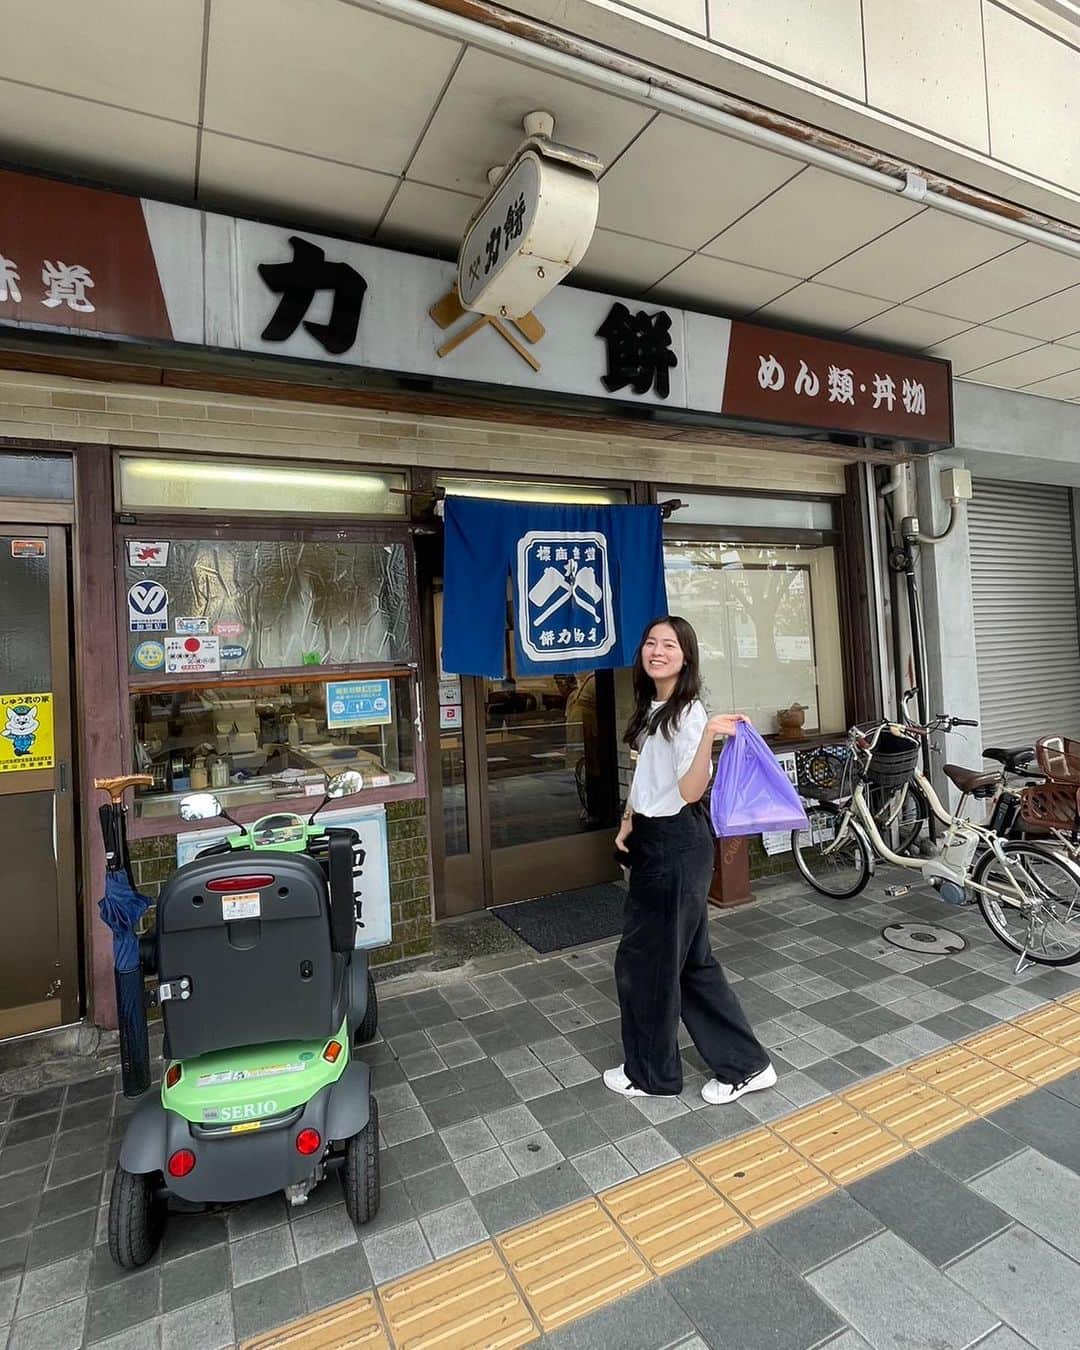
(713, 508)
(25, 648)
(25, 473)
(768, 626)
(278, 603)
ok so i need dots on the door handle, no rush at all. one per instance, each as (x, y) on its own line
(61, 775)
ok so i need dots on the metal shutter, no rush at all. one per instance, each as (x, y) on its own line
(1027, 642)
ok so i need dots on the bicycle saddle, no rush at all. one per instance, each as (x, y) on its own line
(975, 781)
(1015, 761)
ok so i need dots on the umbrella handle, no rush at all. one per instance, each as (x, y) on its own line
(116, 787)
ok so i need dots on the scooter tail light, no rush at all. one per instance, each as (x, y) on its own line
(181, 1163)
(308, 1142)
(248, 883)
(174, 1075)
(332, 1053)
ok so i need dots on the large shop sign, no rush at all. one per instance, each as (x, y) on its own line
(85, 261)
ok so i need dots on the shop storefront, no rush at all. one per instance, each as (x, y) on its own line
(241, 579)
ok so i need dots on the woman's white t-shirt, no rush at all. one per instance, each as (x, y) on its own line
(662, 762)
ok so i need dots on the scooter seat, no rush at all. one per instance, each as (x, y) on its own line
(244, 953)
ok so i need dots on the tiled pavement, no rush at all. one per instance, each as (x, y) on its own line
(493, 1114)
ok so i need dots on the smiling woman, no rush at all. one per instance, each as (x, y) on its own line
(664, 967)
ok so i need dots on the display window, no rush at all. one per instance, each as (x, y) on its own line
(760, 586)
(262, 660)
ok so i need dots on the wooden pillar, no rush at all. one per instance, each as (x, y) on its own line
(100, 702)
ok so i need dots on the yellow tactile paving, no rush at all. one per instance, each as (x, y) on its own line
(572, 1263)
(1029, 1056)
(354, 1323)
(1073, 1001)
(464, 1301)
(1054, 1023)
(673, 1216)
(968, 1078)
(762, 1176)
(908, 1107)
(840, 1141)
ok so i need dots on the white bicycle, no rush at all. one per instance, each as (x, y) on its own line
(1028, 891)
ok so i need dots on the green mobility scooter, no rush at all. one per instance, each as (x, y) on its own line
(264, 997)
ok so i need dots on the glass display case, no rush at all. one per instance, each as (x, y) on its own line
(273, 740)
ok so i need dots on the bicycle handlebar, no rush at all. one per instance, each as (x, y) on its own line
(942, 722)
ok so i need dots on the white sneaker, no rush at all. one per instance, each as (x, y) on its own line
(617, 1081)
(718, 1094)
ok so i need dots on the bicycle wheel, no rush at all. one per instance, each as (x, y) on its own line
(836, 869)
(904, 810)
(1046, 924)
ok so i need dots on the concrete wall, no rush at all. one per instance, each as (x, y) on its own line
(984, 90)
(1004, 434)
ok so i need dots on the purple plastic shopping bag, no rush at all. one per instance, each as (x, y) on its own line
(751, 793)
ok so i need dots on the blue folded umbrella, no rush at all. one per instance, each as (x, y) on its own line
(122, 907)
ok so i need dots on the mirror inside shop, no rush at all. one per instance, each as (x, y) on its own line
(269, 742)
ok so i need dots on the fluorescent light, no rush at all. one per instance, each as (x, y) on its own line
(539, 492)
(242, 473)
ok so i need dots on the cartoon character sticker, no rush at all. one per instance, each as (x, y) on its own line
(22, 728)
(26, 732)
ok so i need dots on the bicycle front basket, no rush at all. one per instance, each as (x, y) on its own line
(893, 761)
(824, 773)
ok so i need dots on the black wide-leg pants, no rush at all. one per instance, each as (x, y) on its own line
(664, 966)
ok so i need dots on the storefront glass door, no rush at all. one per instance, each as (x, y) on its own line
(38, 968)
(526, 788)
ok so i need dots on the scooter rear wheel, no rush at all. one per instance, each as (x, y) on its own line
(369, 1026)
(361, 1174)
(136, 1218)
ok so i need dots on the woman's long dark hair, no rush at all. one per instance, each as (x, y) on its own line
(687, 687)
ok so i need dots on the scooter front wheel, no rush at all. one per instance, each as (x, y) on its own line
(136, 1218)
(361, 1174)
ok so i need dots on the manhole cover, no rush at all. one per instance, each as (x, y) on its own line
(923, 937)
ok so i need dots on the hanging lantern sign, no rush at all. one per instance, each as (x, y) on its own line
(533, 228)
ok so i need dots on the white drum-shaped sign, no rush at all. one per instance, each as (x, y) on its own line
(530, 233)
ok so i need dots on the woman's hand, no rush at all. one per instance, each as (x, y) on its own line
(625, 826)
(724, 724)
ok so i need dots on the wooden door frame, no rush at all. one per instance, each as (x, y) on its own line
(61, 780)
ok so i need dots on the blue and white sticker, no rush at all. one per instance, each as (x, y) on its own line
(187, 627)
(233, 652)
(149, 655)
(148, 607)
